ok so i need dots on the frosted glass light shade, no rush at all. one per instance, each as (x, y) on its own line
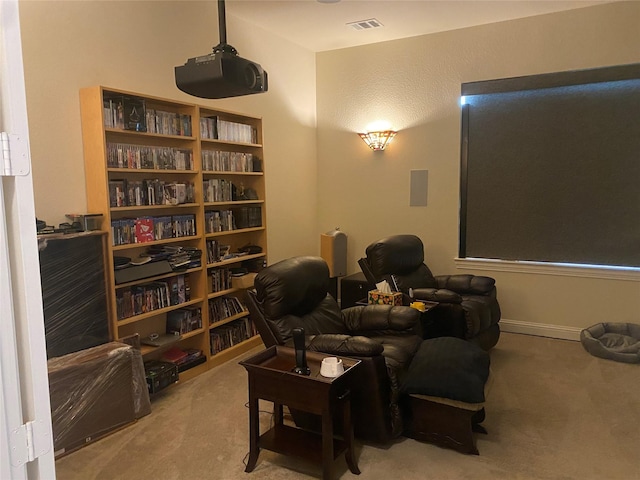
(378, 140)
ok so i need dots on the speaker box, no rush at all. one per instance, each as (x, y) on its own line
(333, 248)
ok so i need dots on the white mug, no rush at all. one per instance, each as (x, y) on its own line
(331, 367)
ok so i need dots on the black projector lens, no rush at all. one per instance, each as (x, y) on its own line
(252, 77)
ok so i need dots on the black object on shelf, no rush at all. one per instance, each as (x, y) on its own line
(165, 339)
(133, 273)
(191, 363)
(160, 375)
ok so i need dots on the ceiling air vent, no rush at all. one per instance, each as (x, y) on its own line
(365, 24)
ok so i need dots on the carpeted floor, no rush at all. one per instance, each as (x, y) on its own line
(554, 413)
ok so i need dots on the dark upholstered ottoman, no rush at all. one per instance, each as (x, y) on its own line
(444, 391)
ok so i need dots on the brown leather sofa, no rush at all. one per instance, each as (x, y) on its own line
(294, 293)
(468, 305)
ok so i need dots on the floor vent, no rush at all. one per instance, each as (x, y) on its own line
(365, 24)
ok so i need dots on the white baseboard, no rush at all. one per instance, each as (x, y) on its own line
(540, 329)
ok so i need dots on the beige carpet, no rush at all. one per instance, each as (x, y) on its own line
(554, 412)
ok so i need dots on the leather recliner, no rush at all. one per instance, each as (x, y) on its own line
(468, 305)
(294, 293)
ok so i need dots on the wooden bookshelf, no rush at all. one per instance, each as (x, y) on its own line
(149, 157)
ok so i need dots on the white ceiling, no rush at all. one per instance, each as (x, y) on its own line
(322, 26)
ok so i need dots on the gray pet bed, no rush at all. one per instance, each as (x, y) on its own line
(615, 341)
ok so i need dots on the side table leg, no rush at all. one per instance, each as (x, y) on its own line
(348, 436)
(327, 443)
(254, 431)
(278, 416)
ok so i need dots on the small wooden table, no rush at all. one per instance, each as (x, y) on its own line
(271, 378)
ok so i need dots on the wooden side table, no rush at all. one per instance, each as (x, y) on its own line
(429, 322)
(271, 378)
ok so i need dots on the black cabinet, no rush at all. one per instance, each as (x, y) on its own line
(74, 291)
(354, 288)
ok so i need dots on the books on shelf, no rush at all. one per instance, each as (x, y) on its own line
(224, 307)
(132, 113)
(168, 123)
(183, 225)
(232, 219)
(123, 155)
(213, 251)
(248, 217)
(217, 190)
(223, 161)
(147, 297)
(126, 231)
(113, 112)
(125, 112)
(219, 279)
(184, 320)
(137, 193)
(174, 193)
(117, 193)
(178, 291)
(215, 128)
(218, 221)
(135, 114)
(231, 334)
(144, 230)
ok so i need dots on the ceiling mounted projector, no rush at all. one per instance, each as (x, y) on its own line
(223, 73)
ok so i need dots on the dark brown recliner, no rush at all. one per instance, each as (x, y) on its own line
(468, 306)
(294, 293)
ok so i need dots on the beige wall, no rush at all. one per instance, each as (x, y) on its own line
(415, 85)
(134, 46)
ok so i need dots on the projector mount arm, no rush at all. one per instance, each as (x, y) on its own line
(223, 46)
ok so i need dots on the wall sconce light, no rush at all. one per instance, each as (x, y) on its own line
(377, 140)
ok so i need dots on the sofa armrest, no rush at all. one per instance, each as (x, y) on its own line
(343, 345)
(363, 318)
(441, 295)
(467, 284)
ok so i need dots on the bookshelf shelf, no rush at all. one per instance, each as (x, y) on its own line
(150, 171)
(193, 372)
(137, 208)
(171, 145)
(227, 320)
(230, 143)
(231, 261)
(234, 351)
(156, 242)
(222, 293)
(226, 172)
(153, 313)
(147, 349)
(234, 232)
(192, 333)
(156, 277)
(133, 134)
(233, 202)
